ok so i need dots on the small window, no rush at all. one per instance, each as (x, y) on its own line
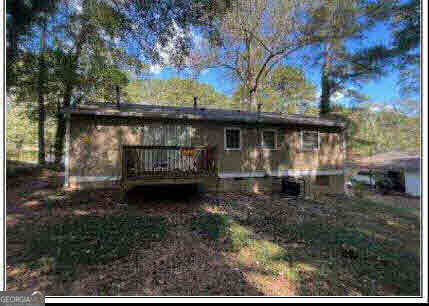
(232, 139)
(309, 140)
(268, 140)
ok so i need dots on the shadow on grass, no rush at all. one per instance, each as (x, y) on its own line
(86, 240)
(322, 256)
(15, 168)
(152, 253)
(361, 258)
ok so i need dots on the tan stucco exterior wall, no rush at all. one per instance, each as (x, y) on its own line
(95, 147)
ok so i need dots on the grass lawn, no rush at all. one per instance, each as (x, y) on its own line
(66, 242)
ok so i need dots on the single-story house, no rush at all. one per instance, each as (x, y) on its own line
(128, 144)
(402, 167)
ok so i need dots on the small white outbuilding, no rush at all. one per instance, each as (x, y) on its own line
(412, 182)
(404, 167)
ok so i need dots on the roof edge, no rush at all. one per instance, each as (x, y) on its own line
(200, 113)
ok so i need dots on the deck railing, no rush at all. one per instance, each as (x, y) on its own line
(166, 161)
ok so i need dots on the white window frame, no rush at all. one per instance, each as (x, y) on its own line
(302, 141)
(241, 138)
(261, 145)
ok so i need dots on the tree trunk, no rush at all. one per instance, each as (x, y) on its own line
(325, 96)
(61, 125)
(59, 139)
(253, 102)
(61, 128)
(326, 84)
(41, 129)
(41, 98)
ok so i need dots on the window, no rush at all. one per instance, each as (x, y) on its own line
(268, 139)
(232, 139)
(168, 135)
(309, 140)
(165, 135)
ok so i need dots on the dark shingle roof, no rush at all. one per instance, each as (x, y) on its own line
(199, 113)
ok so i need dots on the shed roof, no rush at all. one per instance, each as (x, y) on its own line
(390, 160)
(199, 113)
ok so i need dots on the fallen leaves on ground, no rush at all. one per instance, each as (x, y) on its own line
(214, 244)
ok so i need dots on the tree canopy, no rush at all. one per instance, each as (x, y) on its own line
(286, 89)
(175, 91)
(253, 38)
(91, 46)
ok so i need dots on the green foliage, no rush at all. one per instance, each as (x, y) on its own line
(285, 90)
(403, 54)
(341, 22)
(88, 54)
(19, 130)
(175, 91)
(88, 51)
(21, 126)
(254, 37)
(241, 236)
(22, 16)
(374, 128)
(407, 46)
(406, 19)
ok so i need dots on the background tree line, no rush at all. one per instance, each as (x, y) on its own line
(373, 128)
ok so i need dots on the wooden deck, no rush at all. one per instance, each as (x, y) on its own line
(158, 165)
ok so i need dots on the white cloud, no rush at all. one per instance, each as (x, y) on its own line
(318, 94)
(204, 71)
(198, 39)
(375, 108)
(164, 52)
(155, 69)
(379, 107)
(78, 5)
(337, 96)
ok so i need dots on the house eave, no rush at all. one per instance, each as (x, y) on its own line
(204, 115)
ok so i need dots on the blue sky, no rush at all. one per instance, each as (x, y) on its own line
(383, 90)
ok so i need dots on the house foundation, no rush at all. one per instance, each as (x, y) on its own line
(314, 185)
